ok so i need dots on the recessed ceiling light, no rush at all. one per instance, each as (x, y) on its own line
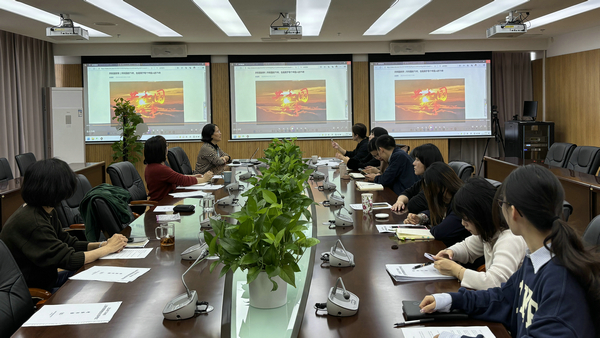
(483, 13)
(565, 13)
(129, 13)
(395, 15)
(311, 14)
(222, 13)
(37, 14)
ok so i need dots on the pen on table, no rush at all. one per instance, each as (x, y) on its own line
(414, 322)
(421, 265)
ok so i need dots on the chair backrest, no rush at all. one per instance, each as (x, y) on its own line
(559, 154)
(495, 183)
(68, 210)
(591, 236)
(585, 159)
(567, 210)
(24, 161)
(179, 161)
(462, 169)
(15, 300)
(107, 220)
(124, 175)
(5, 171)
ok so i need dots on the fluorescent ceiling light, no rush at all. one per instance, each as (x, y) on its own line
(395, 15)
(221, 12)
(129, 13)
(36, 14)
(483, 13)
(311, 14)
(565, 13)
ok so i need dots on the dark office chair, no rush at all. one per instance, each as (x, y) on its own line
(24, 161)
(462, 169)
(124, 175)
(68, 210)
(5, 171)
(567, 211)
(105, 210)
(15, 298)
(178, 160)
(559, 154)
(585, 159)
(495, 183)
(591, 236)
(108, 221)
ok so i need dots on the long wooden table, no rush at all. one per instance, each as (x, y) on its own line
(10, 191)
(143, 300)
(582, 190)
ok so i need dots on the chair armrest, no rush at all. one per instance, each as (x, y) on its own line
(135, 215)
(146, 203)
(76, 227)
(39, 293)
(481, 268)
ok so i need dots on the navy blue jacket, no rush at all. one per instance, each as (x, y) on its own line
(549, 303)
(360, 157)
(400, 173)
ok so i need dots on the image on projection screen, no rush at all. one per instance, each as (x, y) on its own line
(156, 101)
(430, 100)
(301, 101)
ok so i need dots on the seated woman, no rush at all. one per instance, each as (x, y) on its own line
(211, 157)
(160, 179)
(360, 157)
(555, 292)
(491, 238)
(440, 184)
(35, 236)
(413, 199)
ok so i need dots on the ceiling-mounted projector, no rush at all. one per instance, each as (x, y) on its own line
(513, 27)
(66, 30)
(289, 30)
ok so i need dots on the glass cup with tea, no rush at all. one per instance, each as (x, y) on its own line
(166, 234)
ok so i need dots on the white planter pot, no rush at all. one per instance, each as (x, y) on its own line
(261, 295)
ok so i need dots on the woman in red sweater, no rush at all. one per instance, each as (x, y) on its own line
(160, 179)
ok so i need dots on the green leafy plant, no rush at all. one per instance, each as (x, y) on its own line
(128, 148)
(269, 233)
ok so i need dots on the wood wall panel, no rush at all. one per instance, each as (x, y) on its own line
(68, 75)
(537, 74)
(572, 99)
(360, 92)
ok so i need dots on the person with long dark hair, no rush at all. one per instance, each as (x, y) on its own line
(359, 157)
(556, 292)
(503, 251)
(413, 199)
(211, 157)
(161, 179)
(440, 184)
(35, 236)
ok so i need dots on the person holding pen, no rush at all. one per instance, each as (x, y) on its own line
(491, 238)
(556, 292)
(359, 157)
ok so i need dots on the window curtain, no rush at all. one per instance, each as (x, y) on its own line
(26, 67)
(511, 85)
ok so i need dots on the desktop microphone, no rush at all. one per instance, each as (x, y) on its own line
(340, 302)
(235, 186)
(341, 220)
(193, 252)
(206, 222)
(245, 175)
(334, 201)
(338, 257)
(317, 176)
(185, 305)
(227, 201)
(327, 186)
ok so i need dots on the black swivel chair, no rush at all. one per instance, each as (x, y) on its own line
(559, 154)
(108, 221)
(5, 171)
(16, 304)
(585, 159)
(179, 161)
(591, 236)
(495, 183)
(462, 169)
(124, 175)
(68, 210)
(567, 211)
(24, 161)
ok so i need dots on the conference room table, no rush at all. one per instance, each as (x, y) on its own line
(380, 305)
(582, 190)
(10, 190)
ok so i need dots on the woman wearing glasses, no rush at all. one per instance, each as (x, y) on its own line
(211, 157)
(556, 292)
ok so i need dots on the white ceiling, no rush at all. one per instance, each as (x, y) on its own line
(346, 20)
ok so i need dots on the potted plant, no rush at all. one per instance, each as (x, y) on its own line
(127, 149)
(269, 237)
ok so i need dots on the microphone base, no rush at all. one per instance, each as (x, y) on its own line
(181, 307)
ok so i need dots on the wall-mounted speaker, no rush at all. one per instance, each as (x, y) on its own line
(168, 51)
(406, 48)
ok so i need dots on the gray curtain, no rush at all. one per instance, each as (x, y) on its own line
(511, 85)
(26, 66)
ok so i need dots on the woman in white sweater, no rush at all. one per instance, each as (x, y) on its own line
(475, 203)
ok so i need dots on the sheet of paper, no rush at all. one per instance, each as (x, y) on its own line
(110, 274)
(392, 228)
(73, 314)
(138, 244)
(407, 272)
(217, 177)
(164, 208)
(212, 187)
(129, 254)
(430, 331)
(376, 206)
(193, 187)
(188, 194)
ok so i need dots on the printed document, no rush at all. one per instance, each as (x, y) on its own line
(129, 254)
(110, 274)
(73, 314)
